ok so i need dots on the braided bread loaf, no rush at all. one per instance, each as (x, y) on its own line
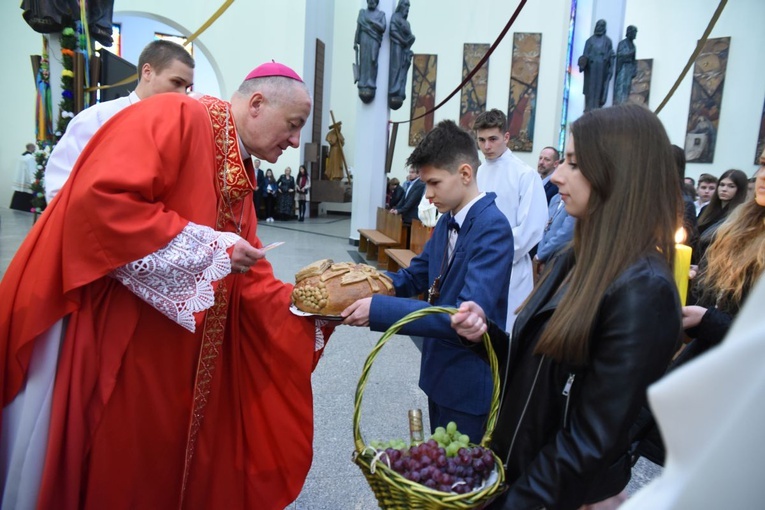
(326, 288)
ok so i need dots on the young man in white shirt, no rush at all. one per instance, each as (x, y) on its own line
(163, 66)
(520, 197)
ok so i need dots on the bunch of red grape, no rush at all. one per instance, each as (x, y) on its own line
(447, 467)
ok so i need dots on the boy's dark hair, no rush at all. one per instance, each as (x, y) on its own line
(492, 119)
(447, 147)
(707, 178)
(160, 54)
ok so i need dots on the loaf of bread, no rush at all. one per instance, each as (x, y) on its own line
(326, 288)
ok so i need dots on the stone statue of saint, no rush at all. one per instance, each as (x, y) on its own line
(55, 15)
(596, 64)
(401, 40)
(336, 140)
(626, 66)
(369, 31)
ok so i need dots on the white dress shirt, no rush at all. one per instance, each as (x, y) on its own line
(78, 133)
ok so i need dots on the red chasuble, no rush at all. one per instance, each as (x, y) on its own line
(145, 413)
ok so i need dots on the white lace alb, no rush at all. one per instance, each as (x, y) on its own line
(177, 279)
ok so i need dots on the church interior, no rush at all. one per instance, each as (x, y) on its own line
(531, 74)
(316, 39)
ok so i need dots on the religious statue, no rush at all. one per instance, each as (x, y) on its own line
(369, 31)
(596, 64)
(335, 160)
(56, 15)
(401, 40)
(626, 66)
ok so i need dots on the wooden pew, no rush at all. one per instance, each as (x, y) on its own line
(399, 257)
(389, 233)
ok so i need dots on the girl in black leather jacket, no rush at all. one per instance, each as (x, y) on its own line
(600, 326)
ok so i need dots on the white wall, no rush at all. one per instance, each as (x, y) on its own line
(319, 24)
(17, 86)
(442, 29)
(138, 30)
(667, 33)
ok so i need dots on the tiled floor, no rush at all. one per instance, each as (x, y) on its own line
(334, 482)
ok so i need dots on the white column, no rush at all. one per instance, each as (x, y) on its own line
(369, 179)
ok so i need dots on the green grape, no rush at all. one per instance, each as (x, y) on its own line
(464, 439)
(452, 449)
(451, 428)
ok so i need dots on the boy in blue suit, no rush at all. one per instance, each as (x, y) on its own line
(471, 262)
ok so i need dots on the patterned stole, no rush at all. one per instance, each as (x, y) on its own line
(233, 186)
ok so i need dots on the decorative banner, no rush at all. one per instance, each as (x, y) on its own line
(760, 138)
(641, 83)
(423, 95)
(524, 74)
(473, 94)
(706, 98)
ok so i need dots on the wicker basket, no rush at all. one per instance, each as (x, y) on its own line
(392, 490)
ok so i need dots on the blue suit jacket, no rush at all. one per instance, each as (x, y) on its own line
(558, 233)
(451, 373)
(550, 191)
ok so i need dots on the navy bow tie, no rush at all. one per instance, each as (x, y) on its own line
(453, 225)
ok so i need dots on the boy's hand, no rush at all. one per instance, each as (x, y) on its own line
(470, 321)
(357, 314)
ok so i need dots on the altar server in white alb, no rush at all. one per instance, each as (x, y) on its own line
(520, 197)
(163, 66)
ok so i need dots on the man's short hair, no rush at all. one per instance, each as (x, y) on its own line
(492, 119)
(555, 151)
(706, 178)
(160, 54)
(446, 147)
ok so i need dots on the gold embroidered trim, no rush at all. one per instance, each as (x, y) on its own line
(233, 186)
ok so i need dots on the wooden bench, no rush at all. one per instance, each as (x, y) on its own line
(399, 257)
(389, 233)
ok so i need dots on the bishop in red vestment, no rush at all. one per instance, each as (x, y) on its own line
(182, 380)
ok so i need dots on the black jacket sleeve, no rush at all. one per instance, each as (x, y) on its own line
(634, 338)
(712, 329)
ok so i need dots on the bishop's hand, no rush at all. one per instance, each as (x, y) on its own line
(244, 255)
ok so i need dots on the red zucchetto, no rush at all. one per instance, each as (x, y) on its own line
(273, 69)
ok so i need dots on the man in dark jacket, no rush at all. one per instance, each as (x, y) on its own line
(408, 206)
(260, 184)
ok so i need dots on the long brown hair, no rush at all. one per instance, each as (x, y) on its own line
(736, 257)
(634, 209)
(715, 210)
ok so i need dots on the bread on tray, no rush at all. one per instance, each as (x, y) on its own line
(326, 288)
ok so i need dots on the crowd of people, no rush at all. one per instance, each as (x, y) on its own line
(275, 199)
(603, 321)
(160, 313)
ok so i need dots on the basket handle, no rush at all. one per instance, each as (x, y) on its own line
(493, 408)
